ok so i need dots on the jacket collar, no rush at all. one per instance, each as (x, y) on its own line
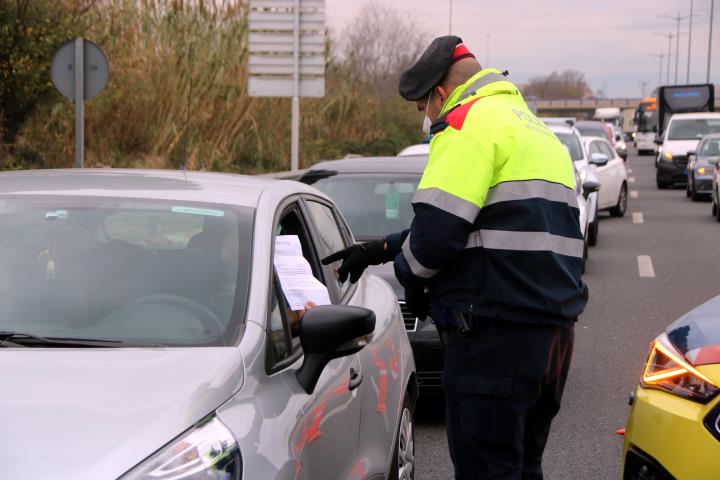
(486, 82)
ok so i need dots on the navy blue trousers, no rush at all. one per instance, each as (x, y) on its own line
(503, 385)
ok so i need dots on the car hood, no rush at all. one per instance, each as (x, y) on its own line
(679, 147)
(95, 413)
(697, 334)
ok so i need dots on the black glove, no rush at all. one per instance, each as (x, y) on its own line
(357, 258)
(417, 302)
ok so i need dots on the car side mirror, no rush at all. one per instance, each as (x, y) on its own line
(618, 138)
(328, 332)
(599, 159)
(691, 153)
(654, 128)
(658, 141)
(588, 187)
(713, 161)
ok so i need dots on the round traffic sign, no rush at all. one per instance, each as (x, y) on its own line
(96, 69)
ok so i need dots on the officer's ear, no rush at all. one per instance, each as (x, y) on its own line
(441, 93)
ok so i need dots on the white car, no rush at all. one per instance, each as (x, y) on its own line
(682, 135)
(570, 137)
(611, 171)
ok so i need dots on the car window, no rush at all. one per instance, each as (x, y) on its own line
(594, 148)
(607, 150)
(711, 148)
(692, 129)
(330, 236)
(283, 326)
(374, 205)
(283, 322)
(571, 142)
(136, 271)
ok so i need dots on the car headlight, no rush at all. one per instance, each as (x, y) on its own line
(704, 171)
(667, 369)
(208, 451)
(667, 156)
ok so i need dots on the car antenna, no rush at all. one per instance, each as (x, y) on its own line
(187, 116)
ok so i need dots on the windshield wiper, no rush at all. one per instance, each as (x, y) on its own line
(30, 340)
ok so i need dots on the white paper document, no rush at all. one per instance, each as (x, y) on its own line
(295, 275)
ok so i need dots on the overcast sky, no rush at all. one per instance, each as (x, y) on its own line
(609, 40)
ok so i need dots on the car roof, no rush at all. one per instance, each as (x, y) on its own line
(558, 128)
(176, 185)
(711, 136)
(695, 115)
(417, 149)
(405, 164)
(590, 123)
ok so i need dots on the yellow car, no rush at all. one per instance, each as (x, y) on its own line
(673, 431)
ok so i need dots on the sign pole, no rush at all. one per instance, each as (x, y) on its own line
(79, 103)
(295, 121)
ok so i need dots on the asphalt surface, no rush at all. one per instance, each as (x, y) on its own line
(625, 312)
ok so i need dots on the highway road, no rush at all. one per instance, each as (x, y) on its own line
(625, 312)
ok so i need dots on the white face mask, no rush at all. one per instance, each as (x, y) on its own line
(426, 121)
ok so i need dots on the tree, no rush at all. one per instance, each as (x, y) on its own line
(569, 84)
(380, 44)
(30, 32)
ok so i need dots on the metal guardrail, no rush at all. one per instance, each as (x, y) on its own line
(582, 104)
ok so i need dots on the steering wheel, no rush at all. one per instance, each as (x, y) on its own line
(207, 317)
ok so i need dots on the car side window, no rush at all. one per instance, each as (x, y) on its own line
(279, 326)
(607, 150)
(594, 148)
(330, 236)
(283, 322)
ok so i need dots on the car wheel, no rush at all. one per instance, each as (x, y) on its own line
(688, 191)
(585, 256)
(621, 207)
(717, 213)
(662, 184)
(403, 464)
(714, 208)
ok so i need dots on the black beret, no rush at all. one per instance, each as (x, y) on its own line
(429, 70)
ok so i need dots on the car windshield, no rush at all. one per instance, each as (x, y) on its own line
(131, 271)
(373, 205)
(711, 148)
(591, 131)
(693, 129)
(646, 121)
(572, 143)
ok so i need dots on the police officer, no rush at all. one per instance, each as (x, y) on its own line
(495, 250)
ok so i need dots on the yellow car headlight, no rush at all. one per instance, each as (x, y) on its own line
(667, 369)
(703, 171)
(667, 156)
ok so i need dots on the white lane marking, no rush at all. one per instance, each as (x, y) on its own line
(634, 194)
(629, 170)
(631, 179)
(638, 217)
(645, 266)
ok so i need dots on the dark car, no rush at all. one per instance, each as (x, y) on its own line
(374, 195)
(701, 165)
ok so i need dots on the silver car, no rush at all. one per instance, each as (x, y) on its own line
(143, 335)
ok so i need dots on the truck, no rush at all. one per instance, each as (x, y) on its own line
(683, 99)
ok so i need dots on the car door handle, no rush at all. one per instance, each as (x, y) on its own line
(355, 379)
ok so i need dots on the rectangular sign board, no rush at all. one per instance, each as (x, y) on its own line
(272, 41)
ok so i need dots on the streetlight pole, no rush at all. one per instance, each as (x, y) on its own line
(712, 7)
(678, 18)
(642, 87)
(660, 56)
(669, 36)
(450, 19)
(690, 17)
